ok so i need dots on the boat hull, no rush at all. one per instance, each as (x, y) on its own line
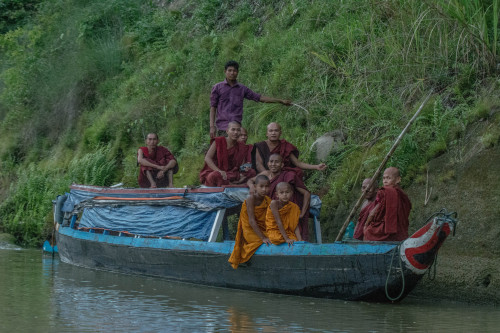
(348, 276)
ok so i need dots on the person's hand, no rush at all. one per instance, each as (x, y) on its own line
(160, 174)
(223, 174)
(213, 130)
(321, 166)
(302, 214)
(242, 178)
(289, 241)
(266, 241)
(286, 102)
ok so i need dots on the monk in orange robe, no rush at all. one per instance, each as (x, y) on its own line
(388, 221)
(370, 190)
(251, 231)
(282, 217)
(301, 195)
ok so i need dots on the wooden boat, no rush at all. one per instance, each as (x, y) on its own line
(172, 233)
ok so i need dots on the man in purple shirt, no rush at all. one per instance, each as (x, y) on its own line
(226, 100)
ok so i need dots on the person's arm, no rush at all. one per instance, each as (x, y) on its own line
(213, 130)
(302, 165)
(253, 223)
(266, 99)
(276, 214)
(170, 165)
(297, 233)
(307, 198)
(210, 162)
(144, 162)
(259, 163)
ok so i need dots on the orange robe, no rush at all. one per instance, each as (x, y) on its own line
(247, 241)
(289, 215)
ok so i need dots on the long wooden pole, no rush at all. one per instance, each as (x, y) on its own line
(381, 166)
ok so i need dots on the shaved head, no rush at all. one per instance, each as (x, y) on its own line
(391, 177)
(261, 178)
(274, 125)
(233, 123)
(276, 156)
(284, 185)
(370, 191)
(394, 171)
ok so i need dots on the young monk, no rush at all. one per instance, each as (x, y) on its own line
(366, 206)
(251, 231)
(300, 196)
(227, 160)
(282, 217)
(388, 221)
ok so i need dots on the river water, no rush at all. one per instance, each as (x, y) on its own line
(42, 294)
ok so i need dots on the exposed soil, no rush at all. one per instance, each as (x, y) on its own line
(466, 180)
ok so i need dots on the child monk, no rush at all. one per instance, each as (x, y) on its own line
(252, 223)
(282, 217)
(388, 221)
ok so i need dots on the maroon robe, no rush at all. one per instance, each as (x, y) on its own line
(293, 179)
(390, 222)
(363, 215)
(284, 149)
(160, 156)
(228, 160)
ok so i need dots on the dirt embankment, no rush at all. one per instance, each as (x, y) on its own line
(466, 180)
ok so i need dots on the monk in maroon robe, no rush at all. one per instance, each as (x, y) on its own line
(157, 164)
(301, 195)
(370, 190)
(227, 160)
(274, 145)
(388, 220)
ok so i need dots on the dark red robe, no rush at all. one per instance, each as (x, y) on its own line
(293, 179)
(160, 156)
(285, 149)
(363, 215)
(228, 160)
(390, 222)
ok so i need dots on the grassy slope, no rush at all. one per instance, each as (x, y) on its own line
(83, 81)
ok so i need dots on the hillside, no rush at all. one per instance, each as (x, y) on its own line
(81, 82)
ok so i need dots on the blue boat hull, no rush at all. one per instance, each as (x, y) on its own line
(341, 270)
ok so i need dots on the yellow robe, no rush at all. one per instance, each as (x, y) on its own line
(247, 241)
(289, 215)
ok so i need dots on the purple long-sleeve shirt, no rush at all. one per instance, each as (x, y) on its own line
(229, 102)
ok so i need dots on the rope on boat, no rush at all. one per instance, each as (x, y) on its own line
(394, 299)
(433, 268)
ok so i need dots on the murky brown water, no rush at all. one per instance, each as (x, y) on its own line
(41, 294)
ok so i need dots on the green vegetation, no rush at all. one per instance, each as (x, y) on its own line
(77, 76)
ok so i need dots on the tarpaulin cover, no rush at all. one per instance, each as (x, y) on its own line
(151, 220)
(158, 220)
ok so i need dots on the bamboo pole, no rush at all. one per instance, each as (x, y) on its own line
(381, 166)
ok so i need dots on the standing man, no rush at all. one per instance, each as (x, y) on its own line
(226, 100)
(157, 164)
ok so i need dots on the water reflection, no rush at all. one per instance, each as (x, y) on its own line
(44, 295)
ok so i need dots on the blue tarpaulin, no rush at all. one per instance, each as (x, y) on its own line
(150, 219)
